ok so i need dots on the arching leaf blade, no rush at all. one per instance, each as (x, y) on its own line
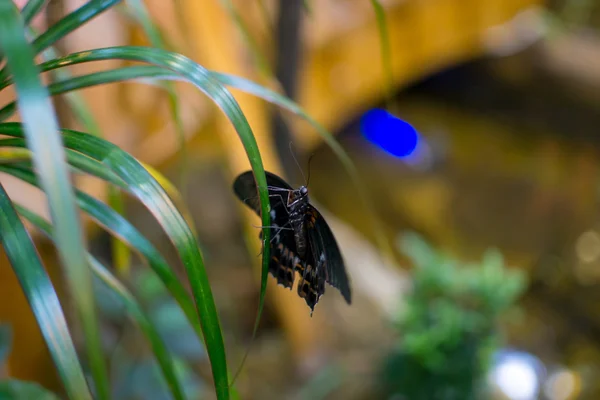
(42, 298)
(41, 133)
(132, 307)
(119, 227)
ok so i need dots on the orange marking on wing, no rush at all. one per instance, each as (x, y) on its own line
(303, 292)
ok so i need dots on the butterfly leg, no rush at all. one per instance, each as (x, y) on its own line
(283, 203)
(280, 228)
(274, 195)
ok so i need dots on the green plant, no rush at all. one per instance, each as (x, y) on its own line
(449, 327)
(37, 151)
(13, 388)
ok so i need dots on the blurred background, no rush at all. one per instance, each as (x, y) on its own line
(474, 130)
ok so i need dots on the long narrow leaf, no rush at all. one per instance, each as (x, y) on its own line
(63, 27)
(77, 160)
(260, 60)
(121, 228)
(5, 342)
(41, 132)
(31, 9)
(131, 305)
(146, 72)
(13, 389)
(141, 14)
(152, 195)
(386, 53)
(120, 253)
(118, 226)
(42, 298)
(72, 21)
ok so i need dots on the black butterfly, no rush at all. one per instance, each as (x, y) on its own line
(300, 239)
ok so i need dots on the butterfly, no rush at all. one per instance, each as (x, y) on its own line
(301, 240)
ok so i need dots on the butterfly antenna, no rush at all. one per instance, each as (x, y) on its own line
(297, 163)
(309, 160)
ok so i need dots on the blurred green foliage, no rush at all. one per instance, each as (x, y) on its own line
(13, 389)
(449, 327)
(5, 342)
(135, 373)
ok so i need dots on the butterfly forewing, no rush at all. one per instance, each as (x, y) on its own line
(282, 263)
(245, 189)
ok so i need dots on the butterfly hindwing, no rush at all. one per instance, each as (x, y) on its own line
(326, 253)
(283, 258)
(312, 285)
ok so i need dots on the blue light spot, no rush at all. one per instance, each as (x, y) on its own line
(389, 133)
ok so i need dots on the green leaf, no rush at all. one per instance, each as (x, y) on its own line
(42, 298)
(5, 342)
(41, 132)
(66, 25)
(143, 185)
(323, 383)
(131, 306)
(260, 59)
(265, 16)
(31, 9)
(142, 16)
(77, 160)
(386, 53)
(120, 254)
(19, 390)
(122, 229)
(72, 21)
(146, 72)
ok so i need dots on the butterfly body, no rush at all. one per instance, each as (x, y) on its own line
(301, 240)
(297, 207)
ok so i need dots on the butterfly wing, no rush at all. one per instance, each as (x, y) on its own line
(245, 189)
(323, 263)
(326, 255)
(283, 246)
